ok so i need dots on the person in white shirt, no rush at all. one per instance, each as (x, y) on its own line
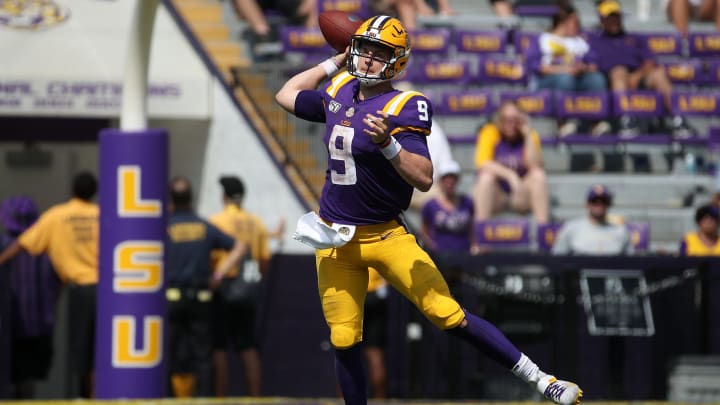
(594, 234)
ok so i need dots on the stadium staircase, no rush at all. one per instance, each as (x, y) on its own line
(213, 25)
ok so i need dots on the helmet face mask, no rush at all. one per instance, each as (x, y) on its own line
(385, 40)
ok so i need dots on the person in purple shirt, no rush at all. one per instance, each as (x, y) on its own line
(377, 153)
(629, 65)
(34, 294)
(447, 219)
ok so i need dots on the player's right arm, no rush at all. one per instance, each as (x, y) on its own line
(308, 79)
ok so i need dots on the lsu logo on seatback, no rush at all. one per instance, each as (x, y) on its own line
(130, 201)
(125, 353)
(138, 266)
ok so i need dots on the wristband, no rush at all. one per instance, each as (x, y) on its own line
(329, 66)
(384, 143)
(392, 149)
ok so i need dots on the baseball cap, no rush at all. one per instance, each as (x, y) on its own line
(448, 167)
(599, 191)
(18, 214)
(232, 186)
(608, 7)
(707, 210)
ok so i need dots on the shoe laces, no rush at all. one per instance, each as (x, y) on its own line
(554, 390)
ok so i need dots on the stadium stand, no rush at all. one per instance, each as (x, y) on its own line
(471, 62)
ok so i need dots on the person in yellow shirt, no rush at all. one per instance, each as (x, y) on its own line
(509, 164)
(704, 241)
(68, 233)
(237, 296)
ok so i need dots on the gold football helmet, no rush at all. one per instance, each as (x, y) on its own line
(384, 39)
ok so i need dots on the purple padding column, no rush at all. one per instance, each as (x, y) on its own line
(131, 327)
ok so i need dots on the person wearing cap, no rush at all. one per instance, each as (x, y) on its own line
(238, 293)
(628, 64)
(68, 233)
(595, 233)
(680, 12)
(704, 240)
(190, 282)
(510, 174)
(34, 290)
(447, 220)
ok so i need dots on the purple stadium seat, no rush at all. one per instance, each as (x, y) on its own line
(535, 103)
(589, 105)
(638, 103)
(695, 103)
(535, 10)
(546, 235)
(501, 69)
(299, 39)
(639, 235)
(478, 41)
(712, 75)
(432, 71)
(689, 72)
(524, 40)
(358, 7)
(430, 41)
(704, 44)
(475, 103)
(503, 232)
(662, 43)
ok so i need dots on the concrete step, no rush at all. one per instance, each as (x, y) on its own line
(200, 11)
(210, 31)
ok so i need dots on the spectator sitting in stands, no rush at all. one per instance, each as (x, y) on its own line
(629, 65)
(594, 234)
(562, 60)
(407, 11)
(263, 38)
(508, 158)
(447, 220)
(680, 12)
(704, 241)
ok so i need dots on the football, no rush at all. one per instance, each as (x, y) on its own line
(338, 27)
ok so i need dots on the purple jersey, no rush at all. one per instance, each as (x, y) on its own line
(35, 288)
(449, 230)
(361, 186)
(620, 50)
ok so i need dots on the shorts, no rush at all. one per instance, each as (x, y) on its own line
(31, 358)
(375, 321)
(82, 299)
(234, 322)
(190, 342)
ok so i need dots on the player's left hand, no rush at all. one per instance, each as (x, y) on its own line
(377, 126)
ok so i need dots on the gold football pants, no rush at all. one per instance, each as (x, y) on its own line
(395, 254)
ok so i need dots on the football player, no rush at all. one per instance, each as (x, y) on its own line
(377, 153)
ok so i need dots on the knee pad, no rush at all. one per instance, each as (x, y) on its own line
(343, 337)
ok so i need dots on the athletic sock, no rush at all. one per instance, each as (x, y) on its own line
(489, 340)
(527, 370)
(351, 375)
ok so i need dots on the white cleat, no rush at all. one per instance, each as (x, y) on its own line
(559, 391)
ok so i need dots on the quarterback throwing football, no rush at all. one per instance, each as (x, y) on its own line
(377, 153)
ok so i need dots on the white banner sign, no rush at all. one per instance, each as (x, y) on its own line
(188, 99)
